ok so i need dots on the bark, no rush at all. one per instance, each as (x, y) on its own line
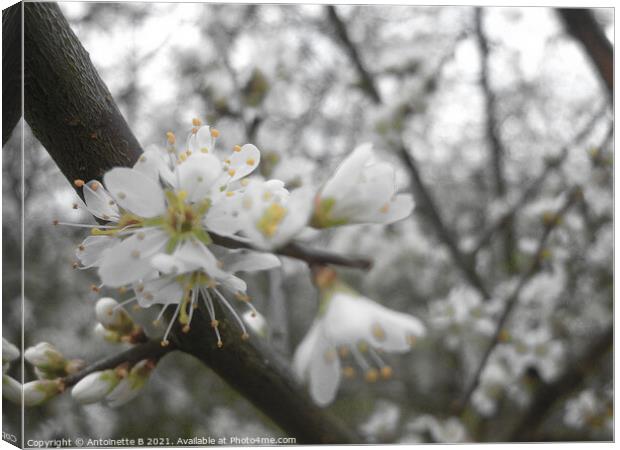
(580, 23)
(73, 114)
(11, 69)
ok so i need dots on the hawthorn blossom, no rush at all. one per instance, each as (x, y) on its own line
(361, 191)
(350, 329)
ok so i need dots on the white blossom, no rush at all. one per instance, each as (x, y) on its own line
(11, 389)
(129, 387)
(46, 357)
(39, 391)
(350, 330)
(361, 191)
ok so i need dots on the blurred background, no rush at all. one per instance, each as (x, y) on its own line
(441, 92)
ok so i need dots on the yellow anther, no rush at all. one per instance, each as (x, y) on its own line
(196, 122)
(204, 150)
(182, 195)
(185, 329)
(237, 148)
(504, 335)
(348, 372)
(250, 162)
(220, 344)
(271, 219)
(230, 194)
(165, 343)
(362, 346)
(94, 186)
(386, 372)
(78, 183)
(378, 332)
(227, 161)
(214, 133)
(371, 375)
(142, 158)
(231, 172)
(214, 323)
(171, 137)
(183, 156)
(156, 322)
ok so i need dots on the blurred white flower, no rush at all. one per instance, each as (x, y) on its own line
(11, 389)
(361, 191)
(354, 328)
(449, 430)
(588, 410)
(534, 348)
(95, 386)
(493, 380)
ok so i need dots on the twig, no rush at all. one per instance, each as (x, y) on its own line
(550, 224)
(147, 350)
(302, 252)
(497, 149)
(367, 82)
(426, 202)
(547, 395)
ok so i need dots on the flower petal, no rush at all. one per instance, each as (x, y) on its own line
(154, 164)
(324, 372)
(248, 261)
(197, 175)
(135, 191)
(129, 260)
(99, 202)
(90, 252)
(243, 162)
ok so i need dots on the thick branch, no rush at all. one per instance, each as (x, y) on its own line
(548, 394)
(74, 116)
(147, 350)
(550, 224)
(367, 82)
(11, 69)
(580, 23)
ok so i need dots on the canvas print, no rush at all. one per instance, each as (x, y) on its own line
(287, 224)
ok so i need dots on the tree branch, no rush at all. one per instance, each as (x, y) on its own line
(497, 150)
(11, 69)
(573, 196)
(72, 113)
(580, 23)
(547, 395)
(367, 82)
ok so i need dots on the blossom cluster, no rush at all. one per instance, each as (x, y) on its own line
(162, 228)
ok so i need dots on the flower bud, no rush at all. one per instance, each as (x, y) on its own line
(9, 351)
(130, 387)
(107, 335)
(46, 357)
(95, 386)
(112, 316)
(38, 392)
(11, 389)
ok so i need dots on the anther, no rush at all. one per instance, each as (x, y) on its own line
(386, 372)
(204, 150)
(165, 343)
(95, 288)
(220, 344)
(230, 194)
(55, 222)
(196, 122)
(214, 133)
(348, 372)
(122, 290)
(214, 323)
(185, 329)
(74, 206)
(75, 265)
(378, 332)
(371, 375)
(245, 336)
(81, 248)
(94, 186)
(250, 162)
(231, 172)
(237, 148)
(171, 137)
(78, 183)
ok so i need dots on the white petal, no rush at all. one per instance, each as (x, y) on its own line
(324, 372)
(348, 172)
(399, 208)
(303, 354)
(243, 162)
(202, 140)
(129, 260)
(155, 165)
(197, 175)
(398, 329)
(248, 261)
(135, 192)
(224, 215)
(162, 291)
(99, 202)
(91, 250)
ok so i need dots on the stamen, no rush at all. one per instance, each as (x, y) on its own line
(78, 183)
(82, 225)
(157, 321)
(378, 332)
(124, 302)
(215, 133)
(348, 372)
(171, 137)
(206, 296)
(165, 342)
(196, 122)
(94, 186)
(231, 172)
(234, 313)
(250, 161)
(95, 288)
(237, 148)
(359, 359)
(372, 375)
